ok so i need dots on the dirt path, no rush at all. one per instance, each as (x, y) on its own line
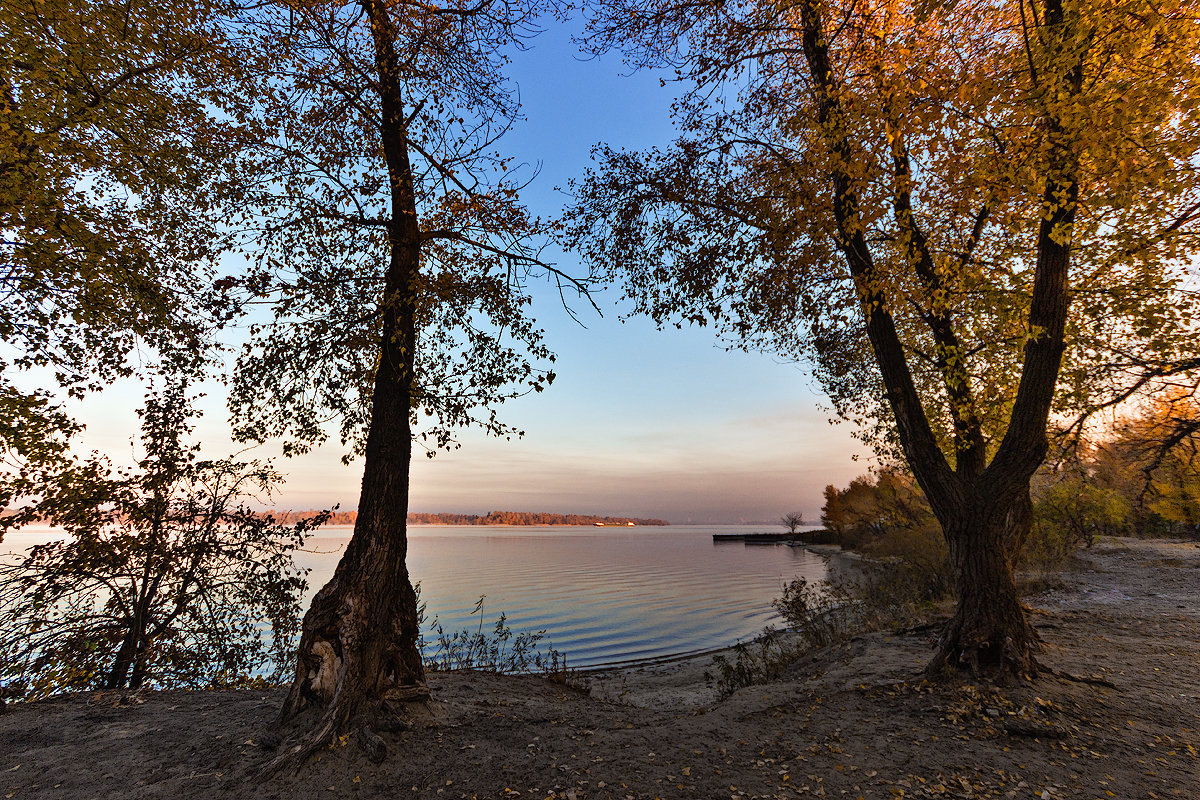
(855, 721)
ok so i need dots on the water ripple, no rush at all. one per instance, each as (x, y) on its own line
(601, 596)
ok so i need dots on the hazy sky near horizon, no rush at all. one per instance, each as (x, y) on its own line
(638, 422)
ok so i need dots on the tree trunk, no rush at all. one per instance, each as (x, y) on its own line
(119, 673)
(141, 663)
(359, 641)
(129, 667)
(358, 657)
(1018, 524)
(990, 630)
(358, 653)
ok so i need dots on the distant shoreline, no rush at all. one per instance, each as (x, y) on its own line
(509, 518)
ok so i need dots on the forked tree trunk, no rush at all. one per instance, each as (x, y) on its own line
(358, 659)
(984, 508)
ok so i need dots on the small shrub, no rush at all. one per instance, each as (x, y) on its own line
(1073, 511)
(758, 661)
(903, 576)
(1049, 549)
(502, 651)
(821, 613)
(1034, 583)
(556, 670)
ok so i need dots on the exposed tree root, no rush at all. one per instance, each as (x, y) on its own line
(371, 744)
(358, 670)
(336, 726)
(1093, 680)
(924, 627)
(344, 694)
(994, 646)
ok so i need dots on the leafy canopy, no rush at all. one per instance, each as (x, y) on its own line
(317, 225)
(106, 223)
(932, 140)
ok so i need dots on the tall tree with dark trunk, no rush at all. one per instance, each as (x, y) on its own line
(938, 187)
(388, 238)
(358, 652)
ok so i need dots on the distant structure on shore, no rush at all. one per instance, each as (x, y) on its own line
(491, 518)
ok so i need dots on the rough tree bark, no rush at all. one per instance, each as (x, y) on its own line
(358, 656)
(990, 629)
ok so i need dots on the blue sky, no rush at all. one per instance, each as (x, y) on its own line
(639, 422)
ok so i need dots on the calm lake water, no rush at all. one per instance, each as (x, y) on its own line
(602, 595)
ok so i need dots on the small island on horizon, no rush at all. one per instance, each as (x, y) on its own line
(490, 518)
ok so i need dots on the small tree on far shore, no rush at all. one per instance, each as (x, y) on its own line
(792, 521)
(165, 577)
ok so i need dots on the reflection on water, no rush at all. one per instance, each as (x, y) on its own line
(602, 595)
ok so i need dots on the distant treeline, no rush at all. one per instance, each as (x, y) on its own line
(491, 518)
(526, 518)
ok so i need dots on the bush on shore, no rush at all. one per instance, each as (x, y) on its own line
(902, 578)
(502, 651)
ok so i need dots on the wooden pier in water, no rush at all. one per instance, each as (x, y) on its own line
(755, 538)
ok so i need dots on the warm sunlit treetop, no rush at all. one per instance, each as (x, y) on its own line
(106, 215)
(949, 121)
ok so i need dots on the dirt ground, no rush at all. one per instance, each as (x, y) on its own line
(854, 721)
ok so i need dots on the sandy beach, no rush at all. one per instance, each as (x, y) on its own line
(1120, 718)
